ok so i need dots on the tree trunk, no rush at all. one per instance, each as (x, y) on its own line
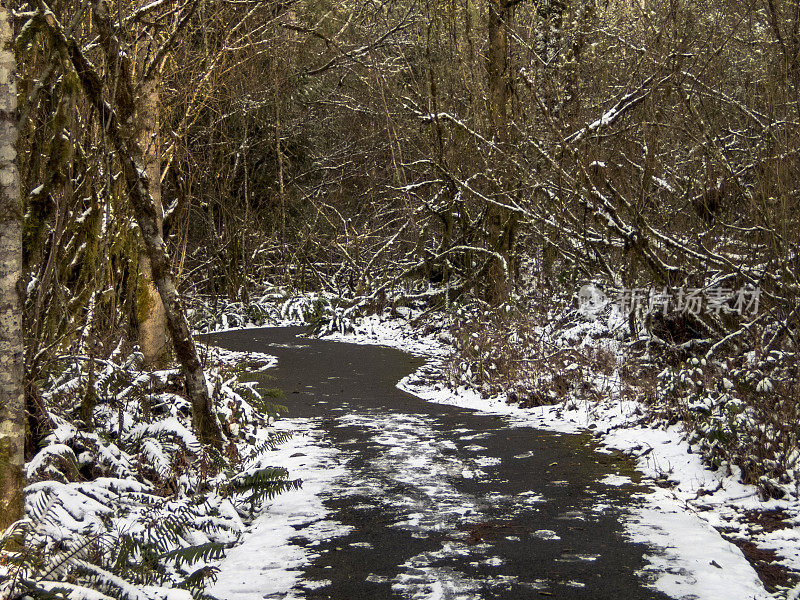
(12, 402)
(499, 223)
(144, 209)
(152, 319)
(497, 69)
(118, 120)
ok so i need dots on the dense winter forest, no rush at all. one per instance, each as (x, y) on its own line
(575, 202)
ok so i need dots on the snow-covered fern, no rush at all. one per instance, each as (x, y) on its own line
(128, 504)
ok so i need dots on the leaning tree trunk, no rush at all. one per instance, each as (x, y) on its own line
(118, 121)
(136, 181)
(12, 402)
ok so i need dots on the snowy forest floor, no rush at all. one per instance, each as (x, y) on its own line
(695, 518)
(130, 506)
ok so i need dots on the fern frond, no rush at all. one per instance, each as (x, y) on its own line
(274, 439)
(198, 579)
(263, 484)
(14, 535)
(193, 554)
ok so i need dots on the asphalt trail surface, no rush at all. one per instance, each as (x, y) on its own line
(442, 502)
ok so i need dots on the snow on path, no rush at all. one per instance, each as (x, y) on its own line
(689, 558)
(411, 480)
(266, 564)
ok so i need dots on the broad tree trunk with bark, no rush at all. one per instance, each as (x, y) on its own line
(499, 221)
(12, 403)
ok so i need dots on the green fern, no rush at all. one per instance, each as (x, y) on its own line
(197, 580)
(263, 484)
(275, 439)
(258, 400)
(193, 554)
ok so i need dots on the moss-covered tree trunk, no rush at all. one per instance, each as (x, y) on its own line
(118, 118)
(152, 319)
(12, 403)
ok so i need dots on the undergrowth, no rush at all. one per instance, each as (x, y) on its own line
(125, 502)
(741, 412)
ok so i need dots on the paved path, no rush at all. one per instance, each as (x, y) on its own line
(438, 502)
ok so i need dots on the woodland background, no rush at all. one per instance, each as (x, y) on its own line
(480, 159)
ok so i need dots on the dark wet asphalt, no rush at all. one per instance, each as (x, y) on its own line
(448, 529)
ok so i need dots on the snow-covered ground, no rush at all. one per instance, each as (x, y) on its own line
(279, 564)
(680, 518)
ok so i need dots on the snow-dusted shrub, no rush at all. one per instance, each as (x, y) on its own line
(743, 414)
(130, 505)
(489, 346)
(320, 313)
(273, 306)
(533, 356)
(264, 309)
(336, 321)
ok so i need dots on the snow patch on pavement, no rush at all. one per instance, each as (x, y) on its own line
(266, 563)
(616, 480)
(411, 479)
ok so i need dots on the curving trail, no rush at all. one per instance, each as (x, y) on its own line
(407, 499)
